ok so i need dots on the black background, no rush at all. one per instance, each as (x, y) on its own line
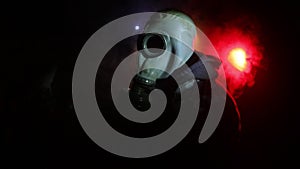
(40, 37)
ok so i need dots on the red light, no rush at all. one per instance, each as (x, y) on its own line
(238, 58)
(240, 54)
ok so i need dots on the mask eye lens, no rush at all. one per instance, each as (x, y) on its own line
(155, 41)
(153, 45)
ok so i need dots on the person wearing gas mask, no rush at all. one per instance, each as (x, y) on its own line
(168, 33)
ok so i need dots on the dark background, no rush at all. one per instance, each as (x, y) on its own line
(41, 38)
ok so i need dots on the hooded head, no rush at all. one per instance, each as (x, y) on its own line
(166, 33)
(165, 45)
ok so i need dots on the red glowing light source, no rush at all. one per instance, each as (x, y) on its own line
(240, 55)
(238, 58)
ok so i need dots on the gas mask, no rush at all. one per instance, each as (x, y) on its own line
(174, 33)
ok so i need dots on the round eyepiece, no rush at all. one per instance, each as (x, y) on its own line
(153, 45)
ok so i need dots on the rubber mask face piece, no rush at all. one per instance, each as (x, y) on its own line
(171, 31)
(165, 45)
